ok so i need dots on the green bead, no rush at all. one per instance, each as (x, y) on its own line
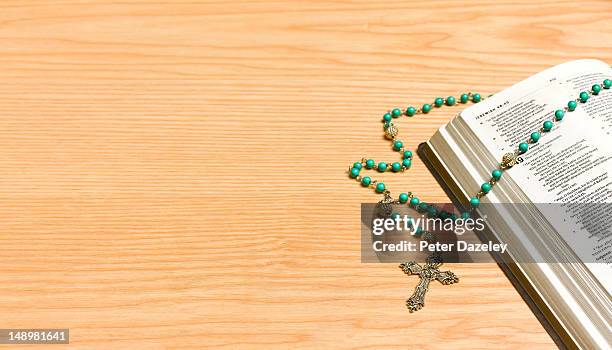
(419, 231)
(382, 166)
(571, 106)
(559, 114)
(396, 112)
(366, 181)
(464, 98)
(380, 187)
(414, 201)
(357, 165)
(410, 221)
(496, 174)
(450, 100)
(607, 84)
(406, 163)
(439, 101)
(387, 117)
(547, 126)
(426, 108)
(486, 187)
(354, 172)
(584, 96)
(535, 136)
(596, 89)
(407, 154)
(432, 212)
(395, 215)
(474, 202)
(403, 198)
(476, 97)
(397, 145)
(465, 215)
(370, 163)
(396, 167)
(423, 206)
(410, 111)
(523, 147)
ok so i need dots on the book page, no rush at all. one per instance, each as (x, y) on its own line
(570, 164)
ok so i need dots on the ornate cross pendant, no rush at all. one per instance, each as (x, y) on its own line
(427, 273)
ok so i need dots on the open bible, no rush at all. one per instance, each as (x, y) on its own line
(556, 215)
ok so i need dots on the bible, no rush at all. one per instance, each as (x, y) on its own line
(553, 208)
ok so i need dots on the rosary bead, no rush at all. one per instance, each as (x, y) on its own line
(382, 166)
(486, 187)
(426, 108)
(508, 160)
(410, 221)
(584, 96)
(366, 181)
(396, 167)
(354, 172)
(414, 201)
(403, 198)
(357, 165)
(432, 212)
(423, 206)
(571, 106)
(535, 136)
(465, 215)
(380, 187)
(370, 163)
(396, 112)
(523, 147)
(406, 163)
(391, 131)
(607, 84)
(596, 89)
(397, 145)
(387, 117)
(559, 114)
(476, 97)
(548, 125)
(464, 98)
(474, 202)
(407, 154)
(450, 100)
(439, 101)
(410, 111)
(496, 174)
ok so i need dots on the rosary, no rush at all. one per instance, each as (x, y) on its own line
(429, 271)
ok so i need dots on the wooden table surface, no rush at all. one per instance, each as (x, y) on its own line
(174, 176)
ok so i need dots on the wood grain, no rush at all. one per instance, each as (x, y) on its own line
(174, 175)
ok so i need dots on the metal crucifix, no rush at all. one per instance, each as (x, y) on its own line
(427, 273)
